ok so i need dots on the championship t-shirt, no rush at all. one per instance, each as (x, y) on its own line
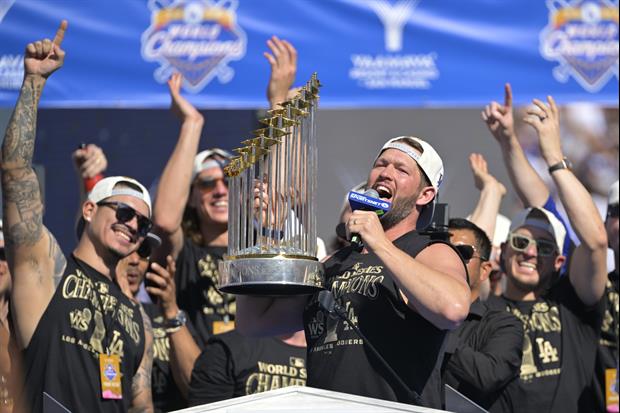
(166, 394)
(338, 358)
(605, 372)
(87, 316)
(559, 348)
(209, 310)
(232, 365)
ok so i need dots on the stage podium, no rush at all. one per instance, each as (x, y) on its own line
(300, 399)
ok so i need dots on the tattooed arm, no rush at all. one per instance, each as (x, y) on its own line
(35, 260)
(141, 386)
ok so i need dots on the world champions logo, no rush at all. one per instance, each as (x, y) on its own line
(197, 38)
(582, 36)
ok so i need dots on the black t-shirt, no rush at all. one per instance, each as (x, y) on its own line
(166, 394)
(607, 355)
(233, 365)
(337, 357)
(88, 315)
(209, 310)
(484, 354)
(559, 348)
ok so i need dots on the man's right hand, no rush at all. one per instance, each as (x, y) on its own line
(499, 118)
(180, 106)
(89, 161)
(44, 57)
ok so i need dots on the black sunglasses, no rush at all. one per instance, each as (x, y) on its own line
(2, 254)
(145, 249)
(468, 252)
(612, 211)
(125, 213)
(207, 184)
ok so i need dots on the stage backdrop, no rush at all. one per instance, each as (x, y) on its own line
(381, 53)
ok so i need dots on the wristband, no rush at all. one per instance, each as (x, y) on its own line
(89, 183)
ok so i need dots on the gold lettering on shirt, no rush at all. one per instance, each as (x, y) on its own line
(275, 376)
(80, 319)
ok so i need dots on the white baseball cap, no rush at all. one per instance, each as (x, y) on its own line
(202, 161)
(612, 199)
(542, 219)
(431, 164)
(106, 188)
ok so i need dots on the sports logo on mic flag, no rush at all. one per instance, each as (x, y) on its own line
(582, 36)
(197, 38)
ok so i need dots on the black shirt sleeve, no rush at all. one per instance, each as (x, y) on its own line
(212, 377)
(496, 361)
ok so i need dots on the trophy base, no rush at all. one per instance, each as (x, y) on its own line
(270, 276)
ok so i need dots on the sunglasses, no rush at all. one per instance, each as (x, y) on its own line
(125, 213)
(2, 254)
(468, 252)
(208, 184)
(612, 211)
(521, 243)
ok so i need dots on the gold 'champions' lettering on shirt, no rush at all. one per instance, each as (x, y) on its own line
(79, 286)
(359, 280)
(275, 376)
(542, 329)
(609, 328)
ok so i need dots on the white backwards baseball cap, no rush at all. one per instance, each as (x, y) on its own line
(542, 219)
(202, 161)
(107, 188)
(429, 162)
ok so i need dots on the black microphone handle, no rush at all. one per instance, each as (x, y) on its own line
(412, 394)
(356, 241)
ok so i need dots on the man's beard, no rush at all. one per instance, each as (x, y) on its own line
(400, 210)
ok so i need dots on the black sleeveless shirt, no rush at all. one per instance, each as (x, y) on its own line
(337, 357)
(87, 315)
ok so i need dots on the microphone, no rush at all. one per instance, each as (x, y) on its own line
(328, 303)
(368, 201)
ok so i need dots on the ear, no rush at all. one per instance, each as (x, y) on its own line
(88, 210)
(559, 261)
(427, 194)
(485, 270)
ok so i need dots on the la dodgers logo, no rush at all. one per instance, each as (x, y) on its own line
(197, 38)
(582, 36)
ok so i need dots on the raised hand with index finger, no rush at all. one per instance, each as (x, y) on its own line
(44, 57)
(499, 118)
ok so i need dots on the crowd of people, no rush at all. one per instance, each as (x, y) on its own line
(514, 316)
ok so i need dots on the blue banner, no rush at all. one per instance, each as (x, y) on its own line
(368, 53)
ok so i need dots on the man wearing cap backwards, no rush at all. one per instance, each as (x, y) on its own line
(403, 291)
(191, 208)
(561, 317)
(84, 341)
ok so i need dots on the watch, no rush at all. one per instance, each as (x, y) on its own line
(563, 164)
(172, 325)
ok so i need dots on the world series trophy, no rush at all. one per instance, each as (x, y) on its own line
(272, 229)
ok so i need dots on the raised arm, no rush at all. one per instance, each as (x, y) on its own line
(588, 265)
(175, 182)
(500, 120)
(491, 193)
(283, 61)
(183, 349)
(35, 260)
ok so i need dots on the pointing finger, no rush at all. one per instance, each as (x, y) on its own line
(507, 95)
(60, 33)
